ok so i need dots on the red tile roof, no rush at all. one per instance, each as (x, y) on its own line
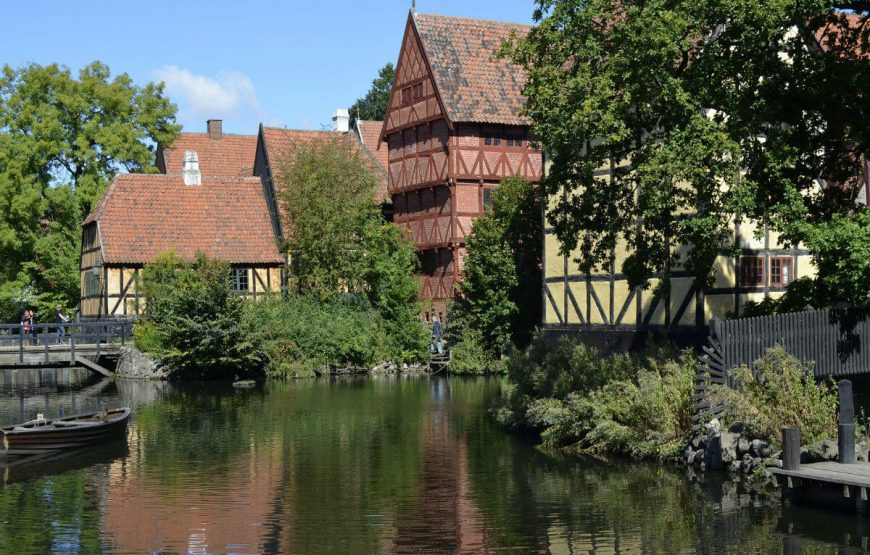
(475, 84)
(369, 134)
(229, 156)
(143, 215)
(281, 142)
(851, 31)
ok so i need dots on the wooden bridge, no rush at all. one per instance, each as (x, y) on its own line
(81, 344)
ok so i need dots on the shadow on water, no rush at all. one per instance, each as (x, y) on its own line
(365, 465)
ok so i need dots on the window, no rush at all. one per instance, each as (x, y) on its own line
(92, 284)
(418, 92)
(491, 140)
(514, 141)
(239, 279)
(487, 198)
(751, 271)
(780, 270)
(406, 96)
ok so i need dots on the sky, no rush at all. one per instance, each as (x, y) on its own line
(285, 64)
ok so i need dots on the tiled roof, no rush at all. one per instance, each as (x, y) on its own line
(370, 135)
(281, 142)
(849, 30)
(229, 156)
(475, 84)
(143, 215)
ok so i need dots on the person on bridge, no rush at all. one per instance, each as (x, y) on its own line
(60, 319)
(437, 333)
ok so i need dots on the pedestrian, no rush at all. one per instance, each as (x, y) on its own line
(60, 319)
(25, 323)
(34, 334)
(437, 333)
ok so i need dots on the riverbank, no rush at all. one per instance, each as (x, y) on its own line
(576, 401)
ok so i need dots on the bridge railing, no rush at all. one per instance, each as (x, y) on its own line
(67, 336)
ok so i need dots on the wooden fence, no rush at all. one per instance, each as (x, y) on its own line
(91, 338)
(832, 342)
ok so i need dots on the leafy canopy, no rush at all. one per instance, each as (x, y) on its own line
(706, 110)
(62, 139)
(373, 106)
(500, 290)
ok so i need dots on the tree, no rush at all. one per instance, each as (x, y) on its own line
(62, 139)
(328, 197)
(708, 110)
(338, 241)
(373, 106)
(500, 290)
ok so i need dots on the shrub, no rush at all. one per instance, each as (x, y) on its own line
(574, 397)
(193, 322)
(303, 335)
(781, 393)
(469, 356)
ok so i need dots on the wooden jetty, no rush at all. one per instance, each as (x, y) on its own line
(83, 344)
(844, 484)
(439, 363)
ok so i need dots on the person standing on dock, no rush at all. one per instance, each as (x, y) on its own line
(437, 333)
(60, 319)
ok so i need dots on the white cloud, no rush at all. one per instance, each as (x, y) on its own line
(227, 95)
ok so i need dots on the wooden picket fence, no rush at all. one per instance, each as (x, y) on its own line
(831, 342)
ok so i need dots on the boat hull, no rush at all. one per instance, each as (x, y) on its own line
(64, 433)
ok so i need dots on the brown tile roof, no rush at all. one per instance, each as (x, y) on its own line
(369, 133)
(475, 85)
(143, 215)
(229, 156)
(851, 31)
(280, 143)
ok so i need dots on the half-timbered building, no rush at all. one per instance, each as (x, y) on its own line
(603, 301)
(141, 216)
(454, 131)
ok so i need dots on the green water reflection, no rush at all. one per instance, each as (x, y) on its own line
(362, 465)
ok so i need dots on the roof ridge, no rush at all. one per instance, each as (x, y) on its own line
(300, 130)
(205, 134)
(474, 19)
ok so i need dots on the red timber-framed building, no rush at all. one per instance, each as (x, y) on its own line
(454, 131)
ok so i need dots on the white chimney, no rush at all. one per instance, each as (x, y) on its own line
(190, 168)
(341, 120)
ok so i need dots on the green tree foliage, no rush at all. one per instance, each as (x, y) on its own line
(500, 290)
(340, 244)
(192, 320)
(373, 106)
(720, 108)
(62, 139)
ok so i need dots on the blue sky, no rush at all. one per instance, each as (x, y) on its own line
(285, 63)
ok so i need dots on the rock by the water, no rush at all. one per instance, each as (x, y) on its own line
(133, 363)
(743, 445)
(728, 441)
(820, 451)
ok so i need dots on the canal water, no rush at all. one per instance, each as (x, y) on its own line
(360, 465)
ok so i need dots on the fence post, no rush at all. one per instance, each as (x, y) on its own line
(791, 449)
(45, 341)
(99, 339)
(846, 427)
(21, 343)
(72, 346)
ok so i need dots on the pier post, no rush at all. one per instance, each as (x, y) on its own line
(846, 427)
(791, 449)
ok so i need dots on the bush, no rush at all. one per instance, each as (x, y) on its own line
(573, 397)
(193, 322)
(469, 356)
(302, 335)
(780, 394)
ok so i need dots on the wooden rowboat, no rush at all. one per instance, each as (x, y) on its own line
(40, 436)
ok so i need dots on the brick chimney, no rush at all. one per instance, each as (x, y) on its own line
(215, 129)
